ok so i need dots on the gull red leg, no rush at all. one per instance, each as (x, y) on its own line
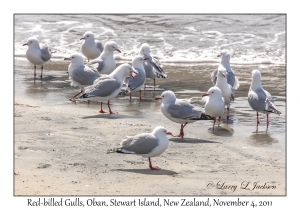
(71, 99)
(214, 124)
(42, 72)
(140, 94)
(154, 84)
(267, 121)
(110, 112)
(181, 134)
(228, 113)
(101, 110)
(34, 73)
(257, 120)
(152, 167)
(130, 96)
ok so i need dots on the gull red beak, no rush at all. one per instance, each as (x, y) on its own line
(157, 98)
(118, 50)
(66, 59)
(81, 38)
(169, 133)
(146, 59)
(205, 94)
(218, 56)
(24, 44)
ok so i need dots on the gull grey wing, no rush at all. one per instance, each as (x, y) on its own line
(124, 146)
(95, 62)
(99, 45)
(138, 80)
(236, 83)
(143, 143)
(183, 110)
(231, 92)
(103, 87)
(149, 69)
(45, 54)
(126, 142)
(213, 76)
(157, 66)
(270, 106)
(257, 99)
(85, 75)
(230, 78)
(269, 96)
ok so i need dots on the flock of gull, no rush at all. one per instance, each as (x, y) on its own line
(100, 80)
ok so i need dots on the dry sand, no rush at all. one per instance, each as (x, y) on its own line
(60, 147)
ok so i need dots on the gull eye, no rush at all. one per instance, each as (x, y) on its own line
(72, 57)
(87, 36)
(212, 92)
(31, 42)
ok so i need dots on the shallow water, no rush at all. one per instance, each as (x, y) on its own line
(186, 81)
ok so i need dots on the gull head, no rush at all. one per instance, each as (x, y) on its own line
(225, 55)
(145, 49)
(127, 70)
(32, 42)
(213, 92)
(111, 46)
(161, 131)
(88, 36)
(138, 60)
(75, 59)
(222, 72)
(167, 97)
(256, 76)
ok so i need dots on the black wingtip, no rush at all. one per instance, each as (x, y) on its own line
(203, 117)
(117, 150)
(164, 76)
(84, 96)
(206, 117)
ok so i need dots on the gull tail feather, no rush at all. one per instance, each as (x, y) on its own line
(120, 150)
(273, 107)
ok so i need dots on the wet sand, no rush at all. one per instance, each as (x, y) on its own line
(60, 147)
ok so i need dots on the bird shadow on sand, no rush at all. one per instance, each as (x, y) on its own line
(192, 141)
(149, 171)
(113, 116)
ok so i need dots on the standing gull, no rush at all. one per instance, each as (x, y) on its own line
(108, 87)
(259, 99)
(37, 53)
(145, 144)
(81, 75)
(179, 110)
(152, 66)
(227, 90)
(215, 104)
(225, 63)
(138, 82)
(90, 47)
(106, 62)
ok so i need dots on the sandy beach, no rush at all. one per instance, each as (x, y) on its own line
(60, 147)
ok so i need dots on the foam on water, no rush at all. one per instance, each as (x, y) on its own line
(251, 39)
